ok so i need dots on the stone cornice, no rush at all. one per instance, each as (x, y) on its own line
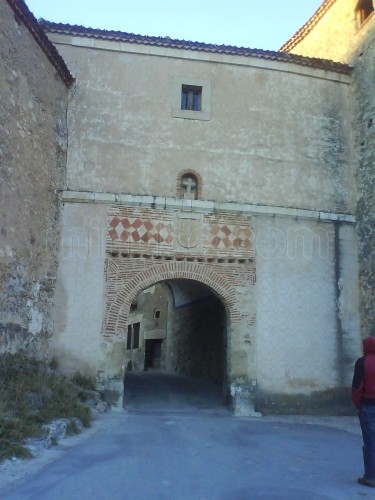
(202, 206)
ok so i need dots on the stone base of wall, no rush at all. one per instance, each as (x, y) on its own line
(112, 392)
(336, 401)
(241, 401)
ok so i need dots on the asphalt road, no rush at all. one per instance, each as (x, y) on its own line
(175, 440)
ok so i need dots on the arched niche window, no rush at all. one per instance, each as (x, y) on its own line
(363, 10)
(189, 185)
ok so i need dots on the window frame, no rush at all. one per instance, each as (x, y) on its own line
(178, 84)
(363, 12)
(157, 313)
(191, 98)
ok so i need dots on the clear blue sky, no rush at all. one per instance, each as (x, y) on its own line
(261, 24)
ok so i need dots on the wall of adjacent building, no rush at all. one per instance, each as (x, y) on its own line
(336, 34)
(364, 121)
(151, 327)
(33, 146)
(339, 36)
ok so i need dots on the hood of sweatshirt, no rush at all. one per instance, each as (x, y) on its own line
(369, 345)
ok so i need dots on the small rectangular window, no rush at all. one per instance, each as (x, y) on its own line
(129, 338)
(132, 341)
(157, 314)
(136, 328)
(191, 98)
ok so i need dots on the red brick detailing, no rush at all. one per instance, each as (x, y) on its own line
(126, 277)
(136, 229)
(153, 232)
(142, 251)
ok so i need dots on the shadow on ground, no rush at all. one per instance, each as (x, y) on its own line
(162, 391)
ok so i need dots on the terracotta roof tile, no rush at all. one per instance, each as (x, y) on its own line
(308, 26)
(22, 12)
(68, 29)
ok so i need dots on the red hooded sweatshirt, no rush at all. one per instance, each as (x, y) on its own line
(363, 385)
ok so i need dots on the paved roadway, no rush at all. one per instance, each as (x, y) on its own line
(175, 441)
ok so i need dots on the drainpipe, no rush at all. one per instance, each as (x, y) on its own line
(339, 328)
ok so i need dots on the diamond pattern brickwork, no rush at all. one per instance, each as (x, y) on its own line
(135, 229)
(155, 231)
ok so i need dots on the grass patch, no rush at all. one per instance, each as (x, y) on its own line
(32, 394)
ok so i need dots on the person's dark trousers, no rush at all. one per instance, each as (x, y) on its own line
(366, 415)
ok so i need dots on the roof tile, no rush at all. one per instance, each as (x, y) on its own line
(82, 31)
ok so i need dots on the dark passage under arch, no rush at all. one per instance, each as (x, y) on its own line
(182, 330)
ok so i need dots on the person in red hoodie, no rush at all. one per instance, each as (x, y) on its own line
(363, 396)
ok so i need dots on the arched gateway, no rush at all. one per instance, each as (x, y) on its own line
(144, 248)
(117, 314)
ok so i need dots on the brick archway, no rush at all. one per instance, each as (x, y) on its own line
(115, 324)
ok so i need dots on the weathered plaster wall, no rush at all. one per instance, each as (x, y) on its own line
(307, 303)
(79, 294)
(278, 134)
(32, 168)
(337, 35)
(293, 333)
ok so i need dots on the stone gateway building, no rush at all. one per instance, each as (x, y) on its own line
(214, 214)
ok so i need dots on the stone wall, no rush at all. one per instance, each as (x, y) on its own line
(363, 95)
(33, 143)
(333, 33)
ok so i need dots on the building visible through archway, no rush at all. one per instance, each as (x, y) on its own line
(178, 326)
(205, 262)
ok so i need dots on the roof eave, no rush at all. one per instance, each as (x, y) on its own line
(81, 31)
(22, 13)
(307, 27)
